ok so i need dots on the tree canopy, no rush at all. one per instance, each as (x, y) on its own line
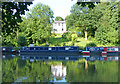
(39, 27)
(11, 16)
(100, 21)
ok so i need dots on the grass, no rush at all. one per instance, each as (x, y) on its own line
(81, 42)
(60, 41)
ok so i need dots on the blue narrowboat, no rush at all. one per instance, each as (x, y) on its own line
(7, 49)
(51, 51)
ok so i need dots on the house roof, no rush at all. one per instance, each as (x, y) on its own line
(59, 21)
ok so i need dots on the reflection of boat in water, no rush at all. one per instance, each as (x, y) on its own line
(37, 57)
(112, 58)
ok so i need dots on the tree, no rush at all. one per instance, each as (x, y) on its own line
(11, 15)
(58, 18)
(39, 27)
(80, 19)
(107, 31)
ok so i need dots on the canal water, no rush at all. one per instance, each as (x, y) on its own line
(17, 68)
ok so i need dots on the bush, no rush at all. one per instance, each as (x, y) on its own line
(90, 38)
(74, 37)
(67, 36)
(81, 48)
(53, 35)
(21, 41)
(91, 44)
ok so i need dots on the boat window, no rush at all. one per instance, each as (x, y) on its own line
(50, 49)
(45, 48)
(67, 48)
(40, 48)
(31, 48)
(116, 49)
(109, 49)
(53, 48)
(61, 48)
(3, 48)
(37, 48)
(37, 57)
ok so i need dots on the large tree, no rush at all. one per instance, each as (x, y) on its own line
(11, 16)
(39, 28)
(107, 31)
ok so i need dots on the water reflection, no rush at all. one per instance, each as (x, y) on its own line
(58, 73)
(57, 69)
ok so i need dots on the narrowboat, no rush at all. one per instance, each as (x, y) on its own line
(7, 49)
(112, 49)
(51, 51)
(94, 48)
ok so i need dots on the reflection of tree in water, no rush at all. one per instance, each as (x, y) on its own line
(97, 71)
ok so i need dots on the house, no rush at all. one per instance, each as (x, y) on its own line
(59, 27)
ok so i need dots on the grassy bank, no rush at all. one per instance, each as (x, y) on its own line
(81, 42)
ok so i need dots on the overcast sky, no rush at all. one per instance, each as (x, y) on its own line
(60, 7)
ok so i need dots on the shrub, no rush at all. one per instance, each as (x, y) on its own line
(53, 35)
(67, 36)
(81, 48)
(91, 44)
(21, 41)
(74, 37)
(90, 38)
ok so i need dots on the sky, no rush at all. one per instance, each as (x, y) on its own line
(59, 7)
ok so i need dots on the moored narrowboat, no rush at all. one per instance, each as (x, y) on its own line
(112, 49)
(51, 51)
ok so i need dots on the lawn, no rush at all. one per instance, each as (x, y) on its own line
(53, 41)
(81, 42)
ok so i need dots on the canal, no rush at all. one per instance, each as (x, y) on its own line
(19, 68)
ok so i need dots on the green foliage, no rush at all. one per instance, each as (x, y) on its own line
(106, 32)
(67, 36)
(74, 37)
(39, 28)
(21, 41)
(10, 20)
(99, 22)
(53, 35)
(81, 48)
(58, 18)
(98, 71)
(91, 44)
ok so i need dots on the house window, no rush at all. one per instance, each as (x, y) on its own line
(62, 29)
(58, 24)
(62, 24)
